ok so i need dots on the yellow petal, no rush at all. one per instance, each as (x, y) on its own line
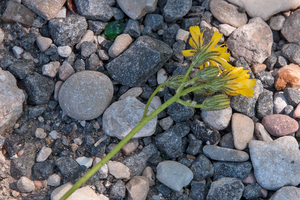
(195, 33)
(215, 39)
(192, 43)
(222, 62)
(188, 53)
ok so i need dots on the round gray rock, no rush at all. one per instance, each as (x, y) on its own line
(85, 95)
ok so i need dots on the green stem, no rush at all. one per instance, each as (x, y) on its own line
(138, 127)
(189, 104)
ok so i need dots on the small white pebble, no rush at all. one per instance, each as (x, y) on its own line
(41, 119)
(1, 36)
(54, 180)
(43, 154)
(182, 35)
(17, 51)
(54, 134)
(64, 51)
(88, 162)
(50, 69)
(24, 184)
(78, 141)
(40, 133)
(161, 76)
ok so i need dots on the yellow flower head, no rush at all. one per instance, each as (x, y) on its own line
(236, 81)
(210, 53)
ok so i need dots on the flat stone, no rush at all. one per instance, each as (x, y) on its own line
(291, 27)
(224, 154)
(218, 119)
(176, 9)
(24, 184)
(132, 92)
(288, 76)
(126, 68)
(174, 174)
(287, 193)
(138, 188)
(11, 101)
(253, 41)
(242, 130)
(118, 170)
(47, 9)
(280, 125)
(238, 170)
(120, 44)
(122, 116)
(258, 68)
(82, 193)
(85, 95)
(261, 133)
(136, 9)
(276, 163)
(227, 13)
(85, 161)
(94, 9)
(265, 9)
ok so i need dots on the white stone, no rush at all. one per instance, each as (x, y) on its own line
(18, 51)
(54, 180)
(118, 170)
(174, 174)
(166, 123)
(182, 35)
(78, 141)
(103, 171)
(267, 8)
(218, 119)
(54, 134)
(40, 133)
(276, 22)
(27, 56)
(43, 43)
(280, 102)
(122, 116)
(120, 44)
(261, 133)
(50, 69)
(87, 36)
(242, 130)
(1, 36)
(162, 76)
(226, 29)
(11, 101)
(62, 13)
(64, 51)
(132, 92)
(138, 188)
(85, 161)
(43, 154)
(136, 9)
(276, 163)
(24, 184)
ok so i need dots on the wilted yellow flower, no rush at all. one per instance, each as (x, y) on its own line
(210, 53)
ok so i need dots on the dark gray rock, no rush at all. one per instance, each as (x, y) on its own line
(178, 47)
(202, 168)
(169, 143)
(154, 21)
(132, 28)
(265, 104)
(205, 133)
(19, 69)
(186, 23)
(93, 62)
(137, 162)
(67, 31)
(36, 111)
(267, 79)
(252, 191)
(291, 52)
(96, 26)
(170, 34)
(194, 145)
(94, 9)
(292, 96)
(176, 9)
(43, 170)
(38, 88)
(79, 65)
(207, 16)
(67, 166)
(281, 61)
(205, 4)
(117, 13)
(289, 110)
(186, 161)
(87, 48)
(227, 141)
(118, 190)
(196, 11)
(271, 61)
(232, 169)
(164, 190)
(226, 189)
(145, 51)
(198, 190)
(183, 128)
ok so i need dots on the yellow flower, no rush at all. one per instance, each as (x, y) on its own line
(236, 81)
(209, 54)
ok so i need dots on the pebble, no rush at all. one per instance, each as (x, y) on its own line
(224, 154)
(252, 191)
(82, 193)
(65, 71)
(226, 29)
(50, 69)
(258, 68)
(99, 10)
(38, 185)
(54, 180)
(130, 147)
(2, 158)
(136, 9)
(18, 51)
(226, 189)
(261, 133)
(64, 51)
(132, 92)
(276, 22)
(227, 13)
(40, 133)
(85, 161)
(62, 13)
(280, 102)
(218, 119)
(205, 133)
(88, 36)
(1, 35)
(118, 170)
(291, 52)
(276, 163)
(103, 171)
(43, 43)
(182, 35)
(162, 76)
(288, 76)
(24, 184)
(138, 188)
(265, 104)
(43, 154)
(122, 116)
(287, 193)
(227, 141)
(120, 44)
(148, 172)
(103, 197)
(238, 170)
(166, 123)
(174, 174)
(242, 130)
(202, 168)
(280, 125)
(176, 9)
(292, 96)
(85, 95)
(290, 27)
(54, 134)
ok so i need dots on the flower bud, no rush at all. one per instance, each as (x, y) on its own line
(208, 73)
(174, 82)
(216, 102)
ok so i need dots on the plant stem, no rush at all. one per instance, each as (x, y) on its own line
(189, 104)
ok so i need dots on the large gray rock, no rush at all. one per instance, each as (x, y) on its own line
(291, 27)
(11, 101)
(224, 154)
(276, 163)
(176, 9)
(85, 95)
(122, 116)
(217, 119)
(253, 41)
(136, 9)
(139, 62)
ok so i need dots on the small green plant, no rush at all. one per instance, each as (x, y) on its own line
(210, 79)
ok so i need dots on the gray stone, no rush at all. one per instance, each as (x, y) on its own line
(132, 28)
(118, 13)
(261, 133)
(224, 154)
(178, 47)
(127, 69)
(195, 146)
(205, 133)
(176, 9)
(174, 175)
(136, 9)
(42, 170)
(265, 104)
(227, 141)
(275, 163)
(252, 191)
(280, 102)
(226, 189)
(286, 193)
(87, 48)
(65, 71)
(267, 79)
(291, 51)
(118, 190)
(271, 61)
(198, 190)
(93, 63)
(43, 154)
(169, 35)
(94, 9)
(289, 110)
(154, 21)
(24, 184)
(68, 31)
(97, 26)
(81, 96)
(292, 96)
(67, 166)
(238, 170)
(202, 168)
(186, 23)
(218, 119)
(290, 29)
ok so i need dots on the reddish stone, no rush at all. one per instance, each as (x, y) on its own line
(296, 113)
(280, 125)
(288, 76)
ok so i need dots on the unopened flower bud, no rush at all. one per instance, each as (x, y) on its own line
(208, 73)
(174, 82)
(216, 102)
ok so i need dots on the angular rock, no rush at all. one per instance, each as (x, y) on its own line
(198, 190)
(42, 170)
(224, 154)
(132, 28)
(202, 168)
(287, 192)
(43, 43)
(291, 51)
(252, 191)
(277, 22)
(138, 188)
(280, 102)
(127, 69)
(291, 27)
(253, 41)
(176, 9)
(43, 154)
(265, 104)
(85, 95)
(118, 170)
(118, 190)
(288, 76)
(205, 133)
(218, 119)
(51, 69)
(94, 9)
(292, 96)
(238, 170)
(275, 163)
(179, 112)
(261, 133)
(136, 9)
